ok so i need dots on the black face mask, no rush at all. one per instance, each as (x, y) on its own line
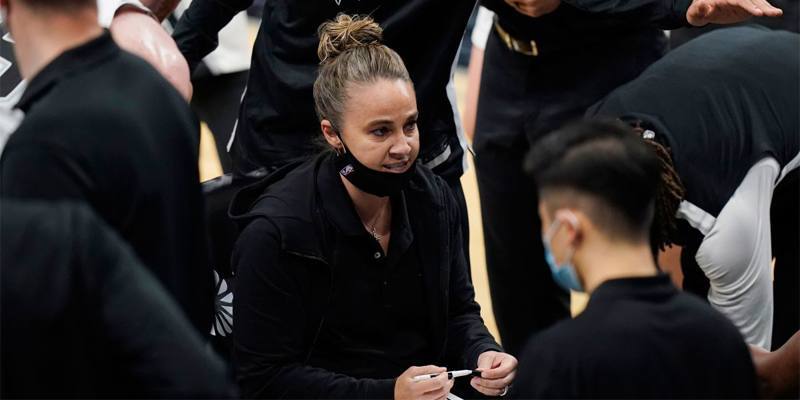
(374, 182)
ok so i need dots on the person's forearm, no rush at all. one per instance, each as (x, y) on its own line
(161, 8)
(666, 14)
(197, 31)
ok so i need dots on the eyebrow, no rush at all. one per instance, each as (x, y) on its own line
(388, 121)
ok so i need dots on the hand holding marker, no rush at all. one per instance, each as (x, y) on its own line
(450, 375)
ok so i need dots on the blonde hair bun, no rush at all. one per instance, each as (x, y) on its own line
(347, 32)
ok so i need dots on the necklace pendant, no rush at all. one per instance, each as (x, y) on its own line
(375, 235)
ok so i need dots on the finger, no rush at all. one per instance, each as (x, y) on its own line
(489, 391)
(435, 384)
(432, 395)
(427, 386)
(748, 6)
(768, 9)
(698, 15)
(503, 367)
(498, 383)
(491, 383)
(426, 369)
(440, 391)
(485, 362)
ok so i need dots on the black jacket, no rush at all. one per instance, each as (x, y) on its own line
(105, 128)
(286, 275)
(82, 318)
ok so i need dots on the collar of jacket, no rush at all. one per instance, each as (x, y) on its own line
(68, 63)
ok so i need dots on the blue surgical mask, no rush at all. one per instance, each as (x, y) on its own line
(564, 275)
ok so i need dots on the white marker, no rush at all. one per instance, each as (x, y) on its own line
(450, 375)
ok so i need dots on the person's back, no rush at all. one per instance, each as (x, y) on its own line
(103, 127)
(85, 319)
(742, 81)
(639, 338)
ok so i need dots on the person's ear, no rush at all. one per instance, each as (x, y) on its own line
(572, 225)
(330, 134)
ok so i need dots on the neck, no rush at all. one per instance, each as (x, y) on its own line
(368, 206)
(43, 37)
(614, 261)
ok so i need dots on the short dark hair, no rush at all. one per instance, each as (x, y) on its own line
(603, 168)
(59, 5)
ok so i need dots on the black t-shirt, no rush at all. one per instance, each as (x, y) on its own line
(103, 127)
(639, 338)
(82, 318)
(277, 120)
(721, 103)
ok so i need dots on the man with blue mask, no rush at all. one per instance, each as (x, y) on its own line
(639, 336)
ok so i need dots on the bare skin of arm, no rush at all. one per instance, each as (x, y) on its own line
(138, 33)
(778, 371)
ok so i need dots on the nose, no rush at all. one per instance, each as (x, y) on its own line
(401, 147)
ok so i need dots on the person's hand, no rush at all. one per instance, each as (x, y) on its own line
(140, 34)
(405, 388)
(534, 8)
(703, 12)
(497, 372)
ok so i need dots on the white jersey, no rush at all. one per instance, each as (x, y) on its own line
(11, 84)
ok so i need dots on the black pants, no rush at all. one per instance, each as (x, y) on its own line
(521, 99)
(216, 101)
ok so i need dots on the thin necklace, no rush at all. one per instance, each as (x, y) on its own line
(372, 230)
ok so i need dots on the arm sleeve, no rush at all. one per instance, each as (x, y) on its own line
(270, 328)
(665, 14)
(736, 254)
(466, 332)
(197, 31)
(42, 171)
(483, 26)
(144, 328)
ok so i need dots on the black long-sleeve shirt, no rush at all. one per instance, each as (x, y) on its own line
(104, 128)
(82, 318)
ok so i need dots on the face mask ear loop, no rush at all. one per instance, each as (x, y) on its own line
(343, 150)
(572, 220)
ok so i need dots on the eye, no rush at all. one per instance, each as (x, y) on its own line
(380, 132)
(410, 127)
